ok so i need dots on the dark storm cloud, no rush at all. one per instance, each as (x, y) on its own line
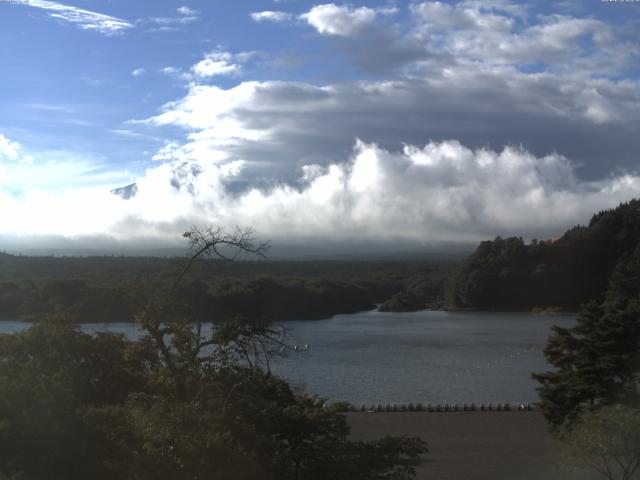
(591, 122)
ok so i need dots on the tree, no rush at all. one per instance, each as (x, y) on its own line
(215, 241)
(606, 440)
(183, 401)
(566, 272)
(598, 360)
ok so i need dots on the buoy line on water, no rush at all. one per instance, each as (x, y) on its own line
(496, 361)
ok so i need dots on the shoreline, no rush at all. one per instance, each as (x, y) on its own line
(544, 313)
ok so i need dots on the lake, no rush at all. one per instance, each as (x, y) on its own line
(429, 357)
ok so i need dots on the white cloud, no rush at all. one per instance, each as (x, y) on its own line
(167, 152)
(8, 149)
(48, 173)
(216, 63)
(48, 180)
(205, 112)
(475, 32)
(208, 109)
(331, 19)
(138, 72)
(442, 191)
(184, 10)
(168, 21)
(438, 16)
(176, 73)
(271, 16)
(169, 70)
(84, 19)
(185, 16)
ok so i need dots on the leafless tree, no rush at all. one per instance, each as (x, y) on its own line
(183, 343)
(216, 242)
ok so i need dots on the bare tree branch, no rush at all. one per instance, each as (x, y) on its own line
(213, 241)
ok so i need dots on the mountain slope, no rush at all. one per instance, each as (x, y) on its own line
(507, 274)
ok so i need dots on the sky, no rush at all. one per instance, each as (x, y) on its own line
(389, 122)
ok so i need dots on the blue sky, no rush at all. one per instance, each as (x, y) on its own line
(393, 120)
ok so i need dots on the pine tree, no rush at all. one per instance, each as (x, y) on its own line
(597, 362)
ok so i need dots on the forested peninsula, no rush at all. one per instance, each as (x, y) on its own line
(113, 288)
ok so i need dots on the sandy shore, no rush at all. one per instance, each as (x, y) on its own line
(474, 445)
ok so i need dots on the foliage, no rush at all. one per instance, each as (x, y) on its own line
(566, 272)
(403, 302)
(80, 406)
(606, 440)
(597, 362)
(107, 289)
(182, 401)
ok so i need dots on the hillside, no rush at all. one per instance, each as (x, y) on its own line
(508, 274)
(108, 289)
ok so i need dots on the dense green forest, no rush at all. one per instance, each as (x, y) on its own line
(508, 274)
(597, 361)
(175, 403)
(591, 395)
(107, 289)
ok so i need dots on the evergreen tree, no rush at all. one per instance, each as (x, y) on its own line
(598, 360)
(506, 274)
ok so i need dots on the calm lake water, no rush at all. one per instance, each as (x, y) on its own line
(428, 357)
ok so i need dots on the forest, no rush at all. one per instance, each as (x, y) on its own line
(175, 403)
(112, 289)
(561, 273)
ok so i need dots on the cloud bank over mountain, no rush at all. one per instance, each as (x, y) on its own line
(439, 192)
